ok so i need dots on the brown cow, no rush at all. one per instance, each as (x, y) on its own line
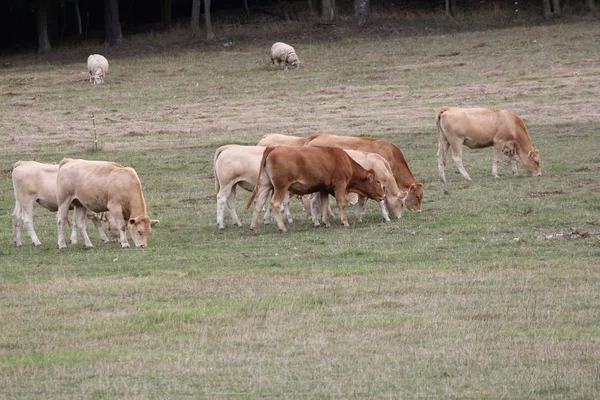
(404, 177)
(35, 182)
(102, 186)
(484, 127)
(305, 170)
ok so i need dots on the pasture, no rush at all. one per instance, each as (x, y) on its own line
(492, 291)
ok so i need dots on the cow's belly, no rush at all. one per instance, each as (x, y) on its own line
(301, 188)
(477, 144)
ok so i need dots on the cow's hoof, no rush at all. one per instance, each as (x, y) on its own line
(124, 245)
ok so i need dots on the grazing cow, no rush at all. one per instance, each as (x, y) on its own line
(404, 177)
(477, 128)
(234, 166)
(394, 197)
(305, 170)
(35, 182)
(277, 139)
(102, 186)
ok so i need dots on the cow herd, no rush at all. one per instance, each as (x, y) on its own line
(278, 166)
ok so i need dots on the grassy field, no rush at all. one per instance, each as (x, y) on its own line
(481, 295)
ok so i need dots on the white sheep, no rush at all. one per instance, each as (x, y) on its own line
(284, 53)
(97, 67)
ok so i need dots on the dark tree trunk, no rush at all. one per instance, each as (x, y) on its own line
(590, 5)
(547, 9)
(165, 12)
(112, 24)
(247, 9)
(42, 27)
(78, 16)
(327, 11)
(210, 34)
(361, 11)
(195, 20)
(556, 7)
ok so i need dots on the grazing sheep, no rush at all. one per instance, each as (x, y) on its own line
(97, 67)
(284, 53)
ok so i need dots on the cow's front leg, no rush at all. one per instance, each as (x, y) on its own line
(384, 211)
(495, 160)
(324, 199)
(340, 196)
(286, 208)
(359, 211)
(117, 213)
(513, 164)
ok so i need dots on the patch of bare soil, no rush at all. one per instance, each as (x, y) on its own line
(572, 234)
(546, 193)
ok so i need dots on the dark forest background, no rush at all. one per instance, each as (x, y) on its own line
(42, 25)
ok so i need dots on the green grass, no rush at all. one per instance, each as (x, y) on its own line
(467, 299)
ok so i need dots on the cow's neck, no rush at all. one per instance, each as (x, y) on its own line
(137, 206)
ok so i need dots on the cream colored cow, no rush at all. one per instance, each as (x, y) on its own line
(484, 127)
(102, 186)
(35, 182)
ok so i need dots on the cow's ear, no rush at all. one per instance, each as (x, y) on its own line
(154, 222)
(412, 188)
(131, 221)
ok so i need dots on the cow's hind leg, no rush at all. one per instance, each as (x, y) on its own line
(61, 217)
(276, 201)
(259, 202)
(443, 147)
(286, 208)
(315, 208)
(324, 208)
(457, 158)
(222, 200)
(16, 223)
(79, 216)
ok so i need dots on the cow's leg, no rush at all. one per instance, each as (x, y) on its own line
(222, 200)
(443, 147)
(98, 224)
(61, 217)
(117, 213)
(16, 223)
(513, 164)
(496, 159)
(79, 215)
(73, 231)
(261, 199)
(305, 200)
(340, 196)
(315, 208)
(457, 158)
(359, 211)
(286, 208)
(276, 201)
(231, 208)
(324, 199)
(384, 211)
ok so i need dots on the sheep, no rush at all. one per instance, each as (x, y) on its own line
(97, 67)
(284, 53)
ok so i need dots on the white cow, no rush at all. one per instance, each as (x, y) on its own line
(236, 165)
(35, 182)
(102, 186)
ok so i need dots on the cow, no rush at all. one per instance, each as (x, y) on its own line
(305, 170)
(101, 186)
(35, 182)
(404, 177)
(277, 139)
(477, 128)
(394, 197)
(236, 165)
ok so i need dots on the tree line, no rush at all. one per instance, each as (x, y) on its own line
(199, 13)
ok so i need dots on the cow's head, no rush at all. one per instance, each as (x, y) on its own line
(533, 162)
(373, 187)
(140, 229)
(414, 199)
(394, 204)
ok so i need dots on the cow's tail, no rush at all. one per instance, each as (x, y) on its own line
(267, 151)
(442, 139)
(217, 154)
